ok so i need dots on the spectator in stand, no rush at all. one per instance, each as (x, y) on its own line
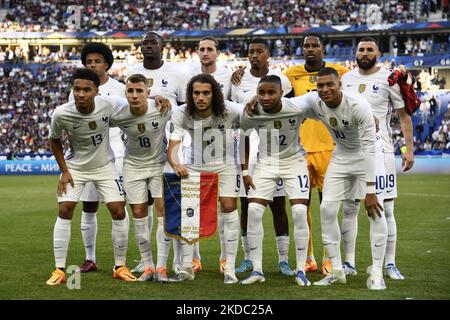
(433, 105)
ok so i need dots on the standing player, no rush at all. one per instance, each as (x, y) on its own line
(99, 58)
(315, 137)
(164, 79)
(209, 122)
(370, 80)
(208, 51)
(258, 55)
(145, 156)
(351, 173)
(86, 121)
(281, 156)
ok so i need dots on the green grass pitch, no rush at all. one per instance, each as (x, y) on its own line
(28, 211)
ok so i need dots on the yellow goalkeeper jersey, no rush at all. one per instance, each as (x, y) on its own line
(314, 135)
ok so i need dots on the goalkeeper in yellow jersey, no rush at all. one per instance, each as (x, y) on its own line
(314, 135)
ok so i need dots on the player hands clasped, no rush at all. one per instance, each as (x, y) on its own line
(281, 156)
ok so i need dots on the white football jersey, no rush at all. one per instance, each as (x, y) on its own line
(381, 97)
(112, 87)
(351, 124)
(146, 142)
(222, 76)
(249, 83)
(88, 134)
(278, 136)
(213, 140)
(247, 90)
(168, 81)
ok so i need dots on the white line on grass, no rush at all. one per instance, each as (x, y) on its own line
(427, 195)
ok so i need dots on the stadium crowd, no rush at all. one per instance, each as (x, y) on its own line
(273, 13)
(28, 97)
(52, 15)
(27, 100)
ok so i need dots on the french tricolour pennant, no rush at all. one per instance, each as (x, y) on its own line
(190, 205)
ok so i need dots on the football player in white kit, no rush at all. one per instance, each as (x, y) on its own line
(258, 55)
(167, 80)
(86, 121)
(370, 80)
(281, 156)
(209, 121)
(351, 173)
(145, 156)
(98, 57)
(208, 51)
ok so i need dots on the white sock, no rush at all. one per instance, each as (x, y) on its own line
(222, 243)
(245, 247)
(61, 239)
(282, 247)
(127, 217)
(378, 238)
(150, 220)
(176, 253)
(301, 234)
(120, 230)
(350, 211)
(187, 254)
(143, 241)
(392, 232)
(89, 233)
(197, 251)
(231, 230)
(255, 234)
(163, 244)
(331, 235)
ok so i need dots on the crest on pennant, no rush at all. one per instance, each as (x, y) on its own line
(150, 82)
(362, 88)
(190, 212)
(312, 78)
(277, 124)
(333, 122)
(92, 125)
(141, 127)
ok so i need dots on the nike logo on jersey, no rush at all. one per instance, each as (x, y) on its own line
(245, 91)
(389, 191)
(378, 245)
(76, 127)
(279, 189)
(253, 248)
(349, 85)
(126, 127)
(321, 115)
(304, 190)
(377, 193)
(236, 190)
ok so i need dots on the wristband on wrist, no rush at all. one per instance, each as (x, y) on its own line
(244, 173)
(371, 189)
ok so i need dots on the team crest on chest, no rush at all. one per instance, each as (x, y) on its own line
(312, 78)
(292, 122)
(277, 124)
(362, 88)
(141, 127)
(92, 125)
(150, 82)
(333, 122)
